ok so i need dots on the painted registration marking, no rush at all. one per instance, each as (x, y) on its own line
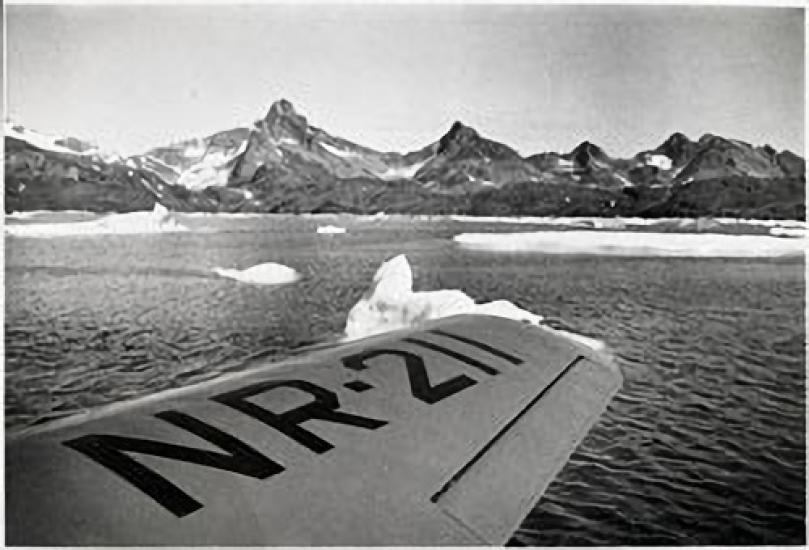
(236, 456)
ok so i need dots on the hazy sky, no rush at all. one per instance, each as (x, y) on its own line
(395, 77)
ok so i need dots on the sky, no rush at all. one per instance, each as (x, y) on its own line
(395, 77)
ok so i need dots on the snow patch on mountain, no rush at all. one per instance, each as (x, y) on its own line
(41, 141)
(194, 150)
(338, 152)
(212, 170)
(660, 161)
(401, 172)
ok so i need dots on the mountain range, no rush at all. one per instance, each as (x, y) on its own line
(284, 164)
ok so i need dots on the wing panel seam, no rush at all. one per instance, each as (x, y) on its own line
(465, 468)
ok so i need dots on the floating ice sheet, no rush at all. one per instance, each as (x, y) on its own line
(620, 223)
(330, 229)
(262, 274)
(159, 220)
(622, 243)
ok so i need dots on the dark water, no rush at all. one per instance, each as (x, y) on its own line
(704, 444)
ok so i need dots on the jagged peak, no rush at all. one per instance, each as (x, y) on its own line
(458, 133)
(676, 138)
(768, 150)
(675, 146)
(710, 138)
(282, 120)
(282, 107)
(585, 150)
(460, 130)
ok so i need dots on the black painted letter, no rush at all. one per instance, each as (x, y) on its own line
(324, 407)
(108, 450)
(420, 385)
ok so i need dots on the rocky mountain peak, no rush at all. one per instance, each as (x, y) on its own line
(676, 141)
(458, 137)
(678, 147)
(585, 152)
(460, 132)
(707, 140)
(283, 120)
(280, 108)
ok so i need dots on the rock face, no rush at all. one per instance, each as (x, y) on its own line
(464, 162)
(284, 164)
(196, 163)
(717, 157)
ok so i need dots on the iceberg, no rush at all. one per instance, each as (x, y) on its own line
(391, 304)
(621, 243)
(330, 229)
(262, 274)
(159, 220)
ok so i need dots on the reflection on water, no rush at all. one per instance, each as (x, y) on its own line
(704, 444)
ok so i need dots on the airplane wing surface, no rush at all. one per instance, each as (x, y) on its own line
(445, 434)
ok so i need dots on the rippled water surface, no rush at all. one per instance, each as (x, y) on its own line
(704, 444)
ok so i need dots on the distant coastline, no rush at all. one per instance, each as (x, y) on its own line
(285, 165)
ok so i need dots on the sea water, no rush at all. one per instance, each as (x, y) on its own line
(703, 445)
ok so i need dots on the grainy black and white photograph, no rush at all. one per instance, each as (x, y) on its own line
(404, 274)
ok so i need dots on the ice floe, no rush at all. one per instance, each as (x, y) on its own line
(788, 232)
(330, 229)
(262, 274)
(614, 222)
(623, 243)
(159, 220)
(379, 216)
(28, 214)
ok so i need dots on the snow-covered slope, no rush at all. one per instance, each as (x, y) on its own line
(47, 142)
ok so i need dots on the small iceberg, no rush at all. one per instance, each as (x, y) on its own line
(622, 243)
(159, 220)
(330, 230)
(262, 274)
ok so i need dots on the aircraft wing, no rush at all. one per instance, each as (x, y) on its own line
(445, 434)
